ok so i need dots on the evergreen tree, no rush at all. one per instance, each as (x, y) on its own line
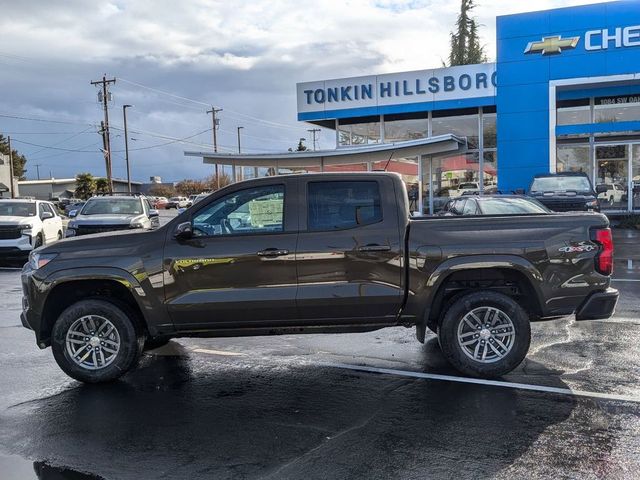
(19, 160)
(465, 42)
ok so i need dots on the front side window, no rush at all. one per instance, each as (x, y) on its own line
(251, 211)
(342, 205)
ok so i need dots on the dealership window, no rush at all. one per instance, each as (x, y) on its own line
(573, 112)
(463, 125)
(406, 126)
(359, 131)
(573, 158)
(622, 108)
(489, 130)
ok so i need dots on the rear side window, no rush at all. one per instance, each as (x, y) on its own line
(342, 205)
(469, 208)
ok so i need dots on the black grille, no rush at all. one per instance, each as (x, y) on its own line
(89, 229)
(565, 206)
(8, 233)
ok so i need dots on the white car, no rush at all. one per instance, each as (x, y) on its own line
(613, 195)
(465, 188)
(27, 224)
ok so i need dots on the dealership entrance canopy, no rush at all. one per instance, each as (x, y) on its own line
(563, 95)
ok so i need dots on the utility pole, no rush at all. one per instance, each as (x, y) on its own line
(214, 124)
(13, 194)
(126, 145)
(38, 165)
(105, 129)
(313, 132)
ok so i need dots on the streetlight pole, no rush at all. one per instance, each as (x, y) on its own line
(235, 173)
(126, 145)
(239, 128)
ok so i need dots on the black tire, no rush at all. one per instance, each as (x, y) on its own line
(155, 342)
(38, 241)
(453, 317)
(125, 322)
(60, 236)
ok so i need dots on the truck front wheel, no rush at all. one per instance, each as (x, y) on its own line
(96, 340)
(484, 334)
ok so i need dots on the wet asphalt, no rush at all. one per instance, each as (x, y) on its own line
(291, 407)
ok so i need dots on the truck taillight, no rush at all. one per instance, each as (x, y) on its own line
(604, 257)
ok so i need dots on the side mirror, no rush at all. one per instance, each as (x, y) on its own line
(154, 213)
(183, 231)
(602, 188)
(46, 215)
(73, 213)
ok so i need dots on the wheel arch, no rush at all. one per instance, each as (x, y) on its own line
(511, 275)
(67, 287)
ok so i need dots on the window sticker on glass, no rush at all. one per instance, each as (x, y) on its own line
(265, 212)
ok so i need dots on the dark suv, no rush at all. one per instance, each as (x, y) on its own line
(565, 192)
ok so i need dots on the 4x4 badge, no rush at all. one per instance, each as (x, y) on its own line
(581, 247)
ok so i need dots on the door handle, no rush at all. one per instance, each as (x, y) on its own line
(374, 248)
(272, 252)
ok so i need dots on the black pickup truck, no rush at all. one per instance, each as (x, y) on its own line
(317, 253)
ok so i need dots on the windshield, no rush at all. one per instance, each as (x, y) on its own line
(511, 206)
(555, 184)
(17, 209)
(113, 206)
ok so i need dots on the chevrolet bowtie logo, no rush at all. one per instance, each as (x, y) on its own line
(552, 45)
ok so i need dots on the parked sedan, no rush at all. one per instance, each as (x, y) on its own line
(493, 205)
(177, 202)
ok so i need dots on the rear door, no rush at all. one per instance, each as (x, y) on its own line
(349, 254)
(239, 269)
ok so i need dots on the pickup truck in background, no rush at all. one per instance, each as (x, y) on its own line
(317, 253)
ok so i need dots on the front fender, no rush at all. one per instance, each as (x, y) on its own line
(150, 306)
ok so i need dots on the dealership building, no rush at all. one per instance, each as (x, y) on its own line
(563, 95)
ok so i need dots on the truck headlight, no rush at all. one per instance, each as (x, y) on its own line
(25, 226)
(38, 260)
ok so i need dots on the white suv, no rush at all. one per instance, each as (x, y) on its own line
(27, 224)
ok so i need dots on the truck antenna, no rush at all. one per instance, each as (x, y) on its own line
(389, 161)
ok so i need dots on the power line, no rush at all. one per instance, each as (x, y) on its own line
(232, 112)
(49, 147)
(36, 119)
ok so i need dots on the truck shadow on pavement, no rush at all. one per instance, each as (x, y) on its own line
(188, 417)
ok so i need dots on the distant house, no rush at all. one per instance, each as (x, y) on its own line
(56, 188)
(5, 178)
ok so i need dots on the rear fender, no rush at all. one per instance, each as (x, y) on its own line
(427, 294)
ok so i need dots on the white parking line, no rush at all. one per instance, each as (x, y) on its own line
(478, 381)
(219, 352)
(625, 279)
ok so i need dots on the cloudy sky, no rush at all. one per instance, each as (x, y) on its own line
(172, 59)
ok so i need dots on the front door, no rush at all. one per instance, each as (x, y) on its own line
(238, 269)
(349, 253)
(612, 170)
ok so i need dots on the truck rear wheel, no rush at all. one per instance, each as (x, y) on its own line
(96, 341)
(484, 334)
